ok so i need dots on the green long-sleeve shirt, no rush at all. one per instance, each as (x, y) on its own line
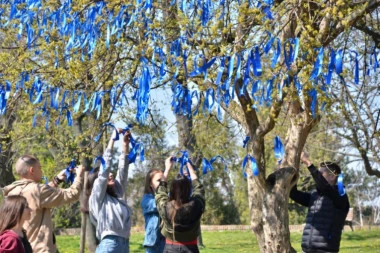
(187, 220)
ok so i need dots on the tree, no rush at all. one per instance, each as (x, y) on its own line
(177, 43)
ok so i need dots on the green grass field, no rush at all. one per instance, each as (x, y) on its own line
(240, 241)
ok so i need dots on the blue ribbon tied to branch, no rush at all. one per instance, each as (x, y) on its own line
(183, 160)
(207, 165)
(245, 141)
(107, 124)
(255, 169)
(279, 150)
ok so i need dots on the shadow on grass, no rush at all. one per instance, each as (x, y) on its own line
(359, 237)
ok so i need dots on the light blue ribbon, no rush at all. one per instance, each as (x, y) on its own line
(107, 124)
(279, 150)
(317, 65)
(354, 56)
(254, 167)
(341, 189)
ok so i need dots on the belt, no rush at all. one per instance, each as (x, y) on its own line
(194, 242)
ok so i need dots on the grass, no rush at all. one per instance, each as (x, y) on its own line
(244, 241)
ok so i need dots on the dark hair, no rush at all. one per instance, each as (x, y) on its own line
(11, 211)
(88, 188)
(148, 180)
(332, 167)
(180, 190)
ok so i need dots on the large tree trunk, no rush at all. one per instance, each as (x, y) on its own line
(268, 197)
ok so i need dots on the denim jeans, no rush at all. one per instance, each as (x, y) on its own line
(113, 244)
(158, 247)
(171, 248)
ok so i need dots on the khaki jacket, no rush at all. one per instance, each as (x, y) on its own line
(41, 198)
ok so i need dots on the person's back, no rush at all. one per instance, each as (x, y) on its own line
(181, 211)
(41, 198)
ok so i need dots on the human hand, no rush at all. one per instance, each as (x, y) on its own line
(80, 170)
(126, 140)
(169, 163)
(62, 175)
(193, 175)
(305, 158)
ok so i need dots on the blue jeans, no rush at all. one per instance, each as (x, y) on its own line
(158, 247)
(113, 244)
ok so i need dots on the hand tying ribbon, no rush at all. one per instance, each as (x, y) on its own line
(137, 147)
(183, 160)
(115, 134)
(70, 176)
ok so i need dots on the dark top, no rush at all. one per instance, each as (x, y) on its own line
(187, 219)
(327, 211)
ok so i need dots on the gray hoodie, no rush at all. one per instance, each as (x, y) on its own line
(109, 214)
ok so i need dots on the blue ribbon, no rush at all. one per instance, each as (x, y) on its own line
(279, 150)
(143, 95)
(45, 179)
(96, 139)
(313, 94)
(317, 65)
(207, 165)
(341, 189)
(245, 141)
(207, 105)
(293, 52)
(102, 162)
(137, 147)
(254, 167)
(70, 176)
(356, 71)
(183, 160)
(256, 62)
(331, 66)
(339, 61)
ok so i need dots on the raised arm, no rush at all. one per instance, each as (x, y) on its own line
(123, 165)
(161, 196)
(324, 186)
(52, 197)
(198, 190)
(100, 185)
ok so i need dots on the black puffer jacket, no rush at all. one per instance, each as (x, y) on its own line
(326, 215)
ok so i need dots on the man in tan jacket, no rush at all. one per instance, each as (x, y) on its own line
(41, 198)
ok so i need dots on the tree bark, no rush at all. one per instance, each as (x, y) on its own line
(7, 154)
